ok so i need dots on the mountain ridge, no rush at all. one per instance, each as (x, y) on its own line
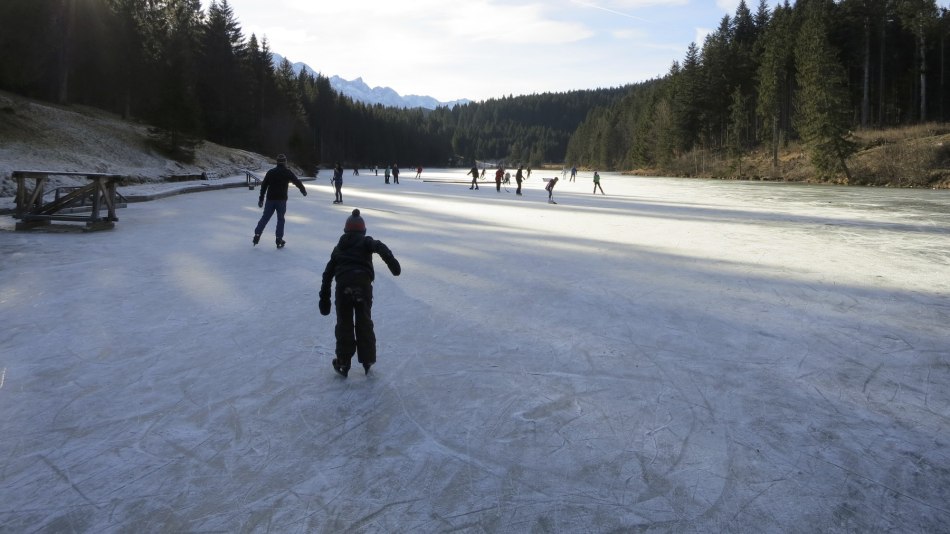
(360, 91)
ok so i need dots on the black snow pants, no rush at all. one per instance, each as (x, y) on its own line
(354, 319)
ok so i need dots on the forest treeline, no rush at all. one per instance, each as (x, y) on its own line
(811, 72)
(193, 74)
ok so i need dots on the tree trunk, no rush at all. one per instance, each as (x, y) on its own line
(923, 75)
(844, 167)
(943, 69)
(775, 143)
(880, 90)
(69, 13)
(866, 97)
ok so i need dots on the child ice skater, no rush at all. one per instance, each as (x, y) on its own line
(351, 263)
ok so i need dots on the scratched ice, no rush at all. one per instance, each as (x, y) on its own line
(674, 356)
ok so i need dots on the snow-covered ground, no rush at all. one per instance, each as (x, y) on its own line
(41, 136)
(678, 355)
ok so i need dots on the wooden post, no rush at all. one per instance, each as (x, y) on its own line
(97, 185)
(20, 195)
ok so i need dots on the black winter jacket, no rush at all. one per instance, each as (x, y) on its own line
(277, 181)
(353, 256)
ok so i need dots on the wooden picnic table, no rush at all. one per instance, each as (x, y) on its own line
(33, 210)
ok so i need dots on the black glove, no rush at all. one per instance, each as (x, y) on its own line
(260, 202)
(303, 191)
(324, 303)
(394, 266)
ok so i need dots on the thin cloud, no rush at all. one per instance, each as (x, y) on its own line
(701, 34)
(729, 6)
(609, 10)
(528, 24)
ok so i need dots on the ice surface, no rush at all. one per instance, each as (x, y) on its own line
(677, 355)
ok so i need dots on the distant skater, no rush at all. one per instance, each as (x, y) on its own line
(519, 177)
(573, 172)
(376, 170)
(338, 183)
(474, 173)
(351, 264)
(387, 173)
(275, 185)
(597, 184)
(419, 172)
(356, 171)
(483, 172)
(529, 174)
(550, 189)
(499, 174)
(395, 173)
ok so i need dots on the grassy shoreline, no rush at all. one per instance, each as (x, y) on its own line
(908, 157)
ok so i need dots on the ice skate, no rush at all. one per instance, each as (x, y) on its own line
(339, 368)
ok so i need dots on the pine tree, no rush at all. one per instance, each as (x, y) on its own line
(776, 75)
(718, 61)
(688, 99)
(822, 116)
(737, 124)
(224, 78)
(177, 113)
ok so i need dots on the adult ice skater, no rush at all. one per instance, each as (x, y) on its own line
(274, 187)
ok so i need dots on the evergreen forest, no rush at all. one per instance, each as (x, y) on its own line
(811, 72)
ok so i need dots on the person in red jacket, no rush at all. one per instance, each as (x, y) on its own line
(498, 175)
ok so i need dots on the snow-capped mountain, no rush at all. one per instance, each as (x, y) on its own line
(359, 91)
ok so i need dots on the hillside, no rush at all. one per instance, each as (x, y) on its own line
(42, 136)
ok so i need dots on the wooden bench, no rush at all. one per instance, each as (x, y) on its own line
(69, 204)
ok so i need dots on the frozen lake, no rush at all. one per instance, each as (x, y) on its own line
(678, 355)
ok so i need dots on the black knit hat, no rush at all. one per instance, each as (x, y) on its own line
(355, 223)
(281, 158)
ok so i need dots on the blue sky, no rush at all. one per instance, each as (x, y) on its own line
(478, 49)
